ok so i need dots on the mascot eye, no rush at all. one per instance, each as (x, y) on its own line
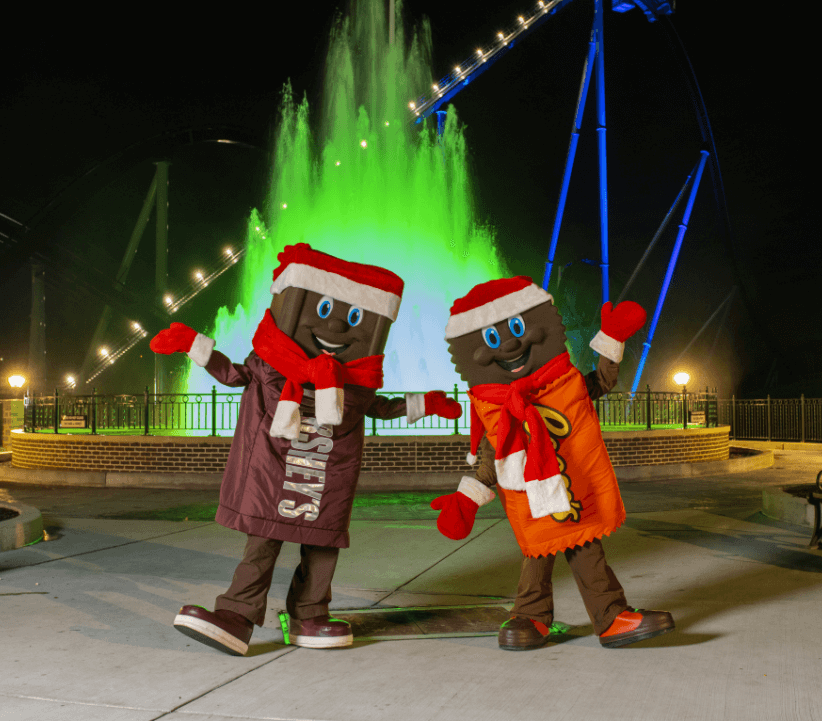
(354, 316)
(324, 306)
(490, 336)
(517, 325)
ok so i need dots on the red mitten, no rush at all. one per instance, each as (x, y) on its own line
(457, 514)
(177, 339)
(622, 322)
(437, 403)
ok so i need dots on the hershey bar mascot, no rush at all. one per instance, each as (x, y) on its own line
(297, 449)
(544, 450)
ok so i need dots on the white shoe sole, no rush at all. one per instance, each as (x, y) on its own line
(323, 641)
(208, 633)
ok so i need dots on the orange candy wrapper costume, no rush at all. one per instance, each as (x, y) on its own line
(571, 420)
(544, 453)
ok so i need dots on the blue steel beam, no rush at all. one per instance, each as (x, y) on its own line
(569, 159)
(603, 165)
(683, 226)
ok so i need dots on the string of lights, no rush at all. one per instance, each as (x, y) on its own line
(201, 280)
(503, 39)
(109, 354)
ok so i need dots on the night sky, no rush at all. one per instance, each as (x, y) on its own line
(74, 96)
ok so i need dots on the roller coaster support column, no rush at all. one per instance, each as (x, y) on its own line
(603, 174)
(683, 226)
(161, 267)
(656, 237)
(572, 147)
(441, 115)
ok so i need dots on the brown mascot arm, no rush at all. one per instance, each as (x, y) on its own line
(486, 472)
(226, 372)
(387, 408)
(603, 379)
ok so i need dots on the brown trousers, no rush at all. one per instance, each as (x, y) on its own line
(601, 592)
(310, 591)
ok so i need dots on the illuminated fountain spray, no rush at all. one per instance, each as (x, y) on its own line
(371, 187)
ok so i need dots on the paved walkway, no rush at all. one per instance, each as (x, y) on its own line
(86, 617)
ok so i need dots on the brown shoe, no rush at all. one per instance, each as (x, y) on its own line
(224, 630)
(520, 634)
(320, 632)
(634, 625)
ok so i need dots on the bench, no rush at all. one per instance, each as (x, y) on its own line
(815, 499)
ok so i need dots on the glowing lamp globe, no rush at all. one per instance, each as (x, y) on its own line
(16, 381)
(681, 379)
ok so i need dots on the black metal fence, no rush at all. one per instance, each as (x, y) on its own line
(147, 413)
(216, 413)
(773, 419)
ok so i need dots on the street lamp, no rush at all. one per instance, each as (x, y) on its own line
(681, 379)
(17, 381)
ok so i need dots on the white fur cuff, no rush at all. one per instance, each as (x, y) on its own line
(414, 406)
(286, 421)
(607, 346)
(478, 492)
(547, 496)
(201, 349)
(329, 406)
(511, 471)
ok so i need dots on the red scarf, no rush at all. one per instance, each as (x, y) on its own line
(516, 401)
(325, 372)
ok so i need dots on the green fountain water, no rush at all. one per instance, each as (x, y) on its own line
(364, 183)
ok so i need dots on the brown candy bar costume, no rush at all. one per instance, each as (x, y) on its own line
(298, 490)
(295, 459)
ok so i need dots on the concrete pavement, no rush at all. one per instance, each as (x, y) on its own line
(86, 617)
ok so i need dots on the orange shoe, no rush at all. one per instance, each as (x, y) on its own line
(634, 625)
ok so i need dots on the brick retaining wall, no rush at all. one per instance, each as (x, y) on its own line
(383, 454)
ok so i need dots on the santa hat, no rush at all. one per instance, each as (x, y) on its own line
(366, 286)
(491, 302)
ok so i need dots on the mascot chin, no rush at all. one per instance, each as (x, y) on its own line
(543, 450)
(295, 459)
